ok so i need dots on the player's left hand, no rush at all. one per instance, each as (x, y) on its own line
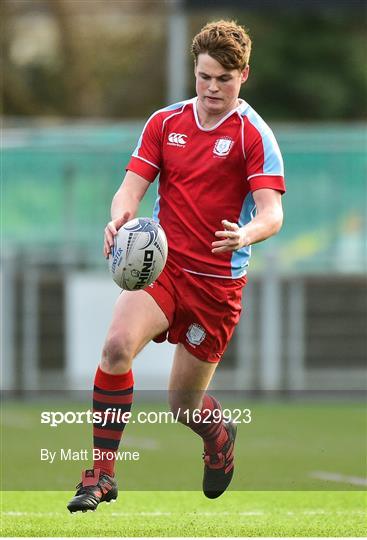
(232, 237)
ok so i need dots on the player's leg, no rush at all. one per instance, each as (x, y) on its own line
(136, 320)
(190, 377)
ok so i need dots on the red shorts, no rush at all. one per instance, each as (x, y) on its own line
(202, 311)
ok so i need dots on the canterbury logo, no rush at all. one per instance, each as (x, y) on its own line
(178, 139)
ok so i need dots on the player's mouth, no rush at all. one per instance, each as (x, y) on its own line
(213, 99)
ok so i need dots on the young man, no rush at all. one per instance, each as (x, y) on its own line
(219, 163)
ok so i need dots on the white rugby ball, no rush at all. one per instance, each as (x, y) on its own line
(139, 254)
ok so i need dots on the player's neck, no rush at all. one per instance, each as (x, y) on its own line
(208, 119)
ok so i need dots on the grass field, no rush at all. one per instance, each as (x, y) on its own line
(150, 514)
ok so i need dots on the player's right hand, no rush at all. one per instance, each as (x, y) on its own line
(110, 232)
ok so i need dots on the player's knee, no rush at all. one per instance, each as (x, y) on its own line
(118, 352)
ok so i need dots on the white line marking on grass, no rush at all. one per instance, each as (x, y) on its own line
(199, 514)
(158, 513)
(258, 513)
(316, 512)
(337, 477)
(149, 514)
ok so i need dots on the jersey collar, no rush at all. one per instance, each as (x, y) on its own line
(239, 110)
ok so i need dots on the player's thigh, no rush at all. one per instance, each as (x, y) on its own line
(189, 379)
(136, 320)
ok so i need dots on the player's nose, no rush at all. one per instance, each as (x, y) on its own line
(213, 87)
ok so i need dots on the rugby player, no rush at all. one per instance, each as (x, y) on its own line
(220, 184)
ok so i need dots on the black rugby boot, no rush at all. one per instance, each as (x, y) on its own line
(218, 470)
(95, 487)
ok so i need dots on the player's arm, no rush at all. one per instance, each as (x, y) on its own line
(267, 222)
(124, 207)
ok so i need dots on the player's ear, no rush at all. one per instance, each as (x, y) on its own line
(244, 74)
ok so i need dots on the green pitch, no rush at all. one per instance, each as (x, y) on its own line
(160, 513)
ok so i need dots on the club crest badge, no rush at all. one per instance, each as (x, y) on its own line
(195, 334)
(222, 147)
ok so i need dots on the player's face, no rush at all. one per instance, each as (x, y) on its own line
(217, 88)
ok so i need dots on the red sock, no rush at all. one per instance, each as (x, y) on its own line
(110, 392)
(210, 428)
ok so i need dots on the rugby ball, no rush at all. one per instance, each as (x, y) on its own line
(139, 254)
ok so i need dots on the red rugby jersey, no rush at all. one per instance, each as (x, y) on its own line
(206, 175)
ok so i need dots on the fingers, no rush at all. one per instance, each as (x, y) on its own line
(230, 242)
(108, 242)
(227, 234)
(229, 239)
(225, 245)
(222, 249)
(106, 249)
(110, 232)
(229, 226)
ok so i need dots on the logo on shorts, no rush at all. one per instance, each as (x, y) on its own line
(195, 334)
(222, 147)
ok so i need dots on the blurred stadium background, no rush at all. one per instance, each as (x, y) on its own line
(79, 80)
